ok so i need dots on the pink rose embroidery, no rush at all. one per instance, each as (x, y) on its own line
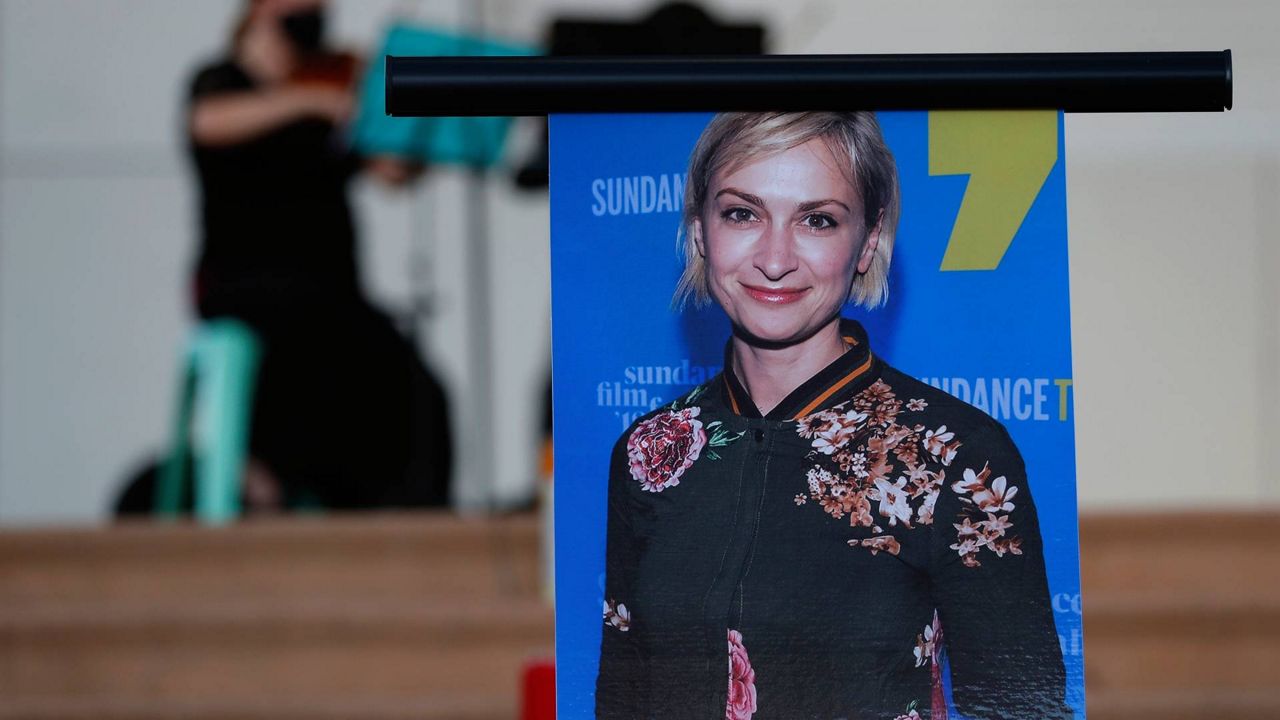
(664, 446)
(742, 681)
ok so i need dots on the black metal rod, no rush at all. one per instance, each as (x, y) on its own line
(1075, 82)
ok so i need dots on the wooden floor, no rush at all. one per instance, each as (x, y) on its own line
(432, 616)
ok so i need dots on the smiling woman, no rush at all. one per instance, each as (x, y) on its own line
(729, 593)
(780, 260)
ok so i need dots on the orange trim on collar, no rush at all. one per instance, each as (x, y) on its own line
(733, 401)
(817, 402)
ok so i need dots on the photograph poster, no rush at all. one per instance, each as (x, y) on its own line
(814, 438)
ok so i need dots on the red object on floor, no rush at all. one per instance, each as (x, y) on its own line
(538, 694)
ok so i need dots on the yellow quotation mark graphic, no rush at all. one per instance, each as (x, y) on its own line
(1007, 156)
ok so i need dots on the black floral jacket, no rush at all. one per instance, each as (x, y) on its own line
(819, 561)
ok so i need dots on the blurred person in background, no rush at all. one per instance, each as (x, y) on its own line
(345, 413)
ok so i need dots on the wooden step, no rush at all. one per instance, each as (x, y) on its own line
(1173, 644)
(249, 649)
(1181, 554)
(377, 616)
(438, 707)
(391, 555)
(1196, 703)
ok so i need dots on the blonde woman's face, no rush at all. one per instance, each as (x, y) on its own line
(782, 238)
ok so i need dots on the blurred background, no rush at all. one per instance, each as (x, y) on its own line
(114, 264)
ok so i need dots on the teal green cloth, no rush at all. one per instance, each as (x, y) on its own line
(215, 407)
(470, 141)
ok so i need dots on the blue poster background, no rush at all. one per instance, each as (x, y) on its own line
(614, 264)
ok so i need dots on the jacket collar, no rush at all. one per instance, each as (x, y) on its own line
(847, 374)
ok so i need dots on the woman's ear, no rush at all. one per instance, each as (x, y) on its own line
(869, 246)
(696, 229)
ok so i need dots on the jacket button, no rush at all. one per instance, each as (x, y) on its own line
(759, 436)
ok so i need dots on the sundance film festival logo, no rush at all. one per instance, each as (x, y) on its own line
(1011, 398)
(641, 388)
(637, 195)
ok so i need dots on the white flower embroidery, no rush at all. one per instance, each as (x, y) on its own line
(971, 482)
(996, 497)
(935, 441)
(893, 501)
(925, 513)
(860, 444)
(617, 615)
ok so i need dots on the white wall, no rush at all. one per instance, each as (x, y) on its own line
(1173, 237)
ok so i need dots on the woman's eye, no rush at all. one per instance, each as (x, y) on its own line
(738, 215)
(819, 221)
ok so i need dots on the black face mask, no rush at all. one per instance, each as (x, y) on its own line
(305, 29)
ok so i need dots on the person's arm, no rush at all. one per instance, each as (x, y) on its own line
(229, 118)
(621, 685)
(392, 171)
(989, 587)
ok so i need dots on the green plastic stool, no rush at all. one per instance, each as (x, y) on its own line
(214, 410)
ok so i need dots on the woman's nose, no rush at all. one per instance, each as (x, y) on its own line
(775, 255)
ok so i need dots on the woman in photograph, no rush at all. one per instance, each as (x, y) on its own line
(811, 532)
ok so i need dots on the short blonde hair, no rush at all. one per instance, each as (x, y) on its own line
(734, 139)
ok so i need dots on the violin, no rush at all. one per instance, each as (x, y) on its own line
(330, 69)
(317, 63)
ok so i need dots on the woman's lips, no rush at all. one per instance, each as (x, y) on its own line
(775, 296)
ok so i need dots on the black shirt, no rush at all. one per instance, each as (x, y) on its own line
(817, 562)
(274, 210)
